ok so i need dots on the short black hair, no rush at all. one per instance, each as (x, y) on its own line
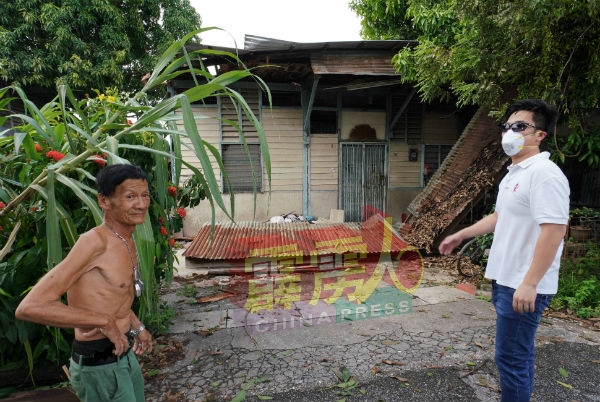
(111, 176)
(544, 115)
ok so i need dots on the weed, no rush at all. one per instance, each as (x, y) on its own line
(187, 291)
(484, 297)
(165, 316)
(347, 384)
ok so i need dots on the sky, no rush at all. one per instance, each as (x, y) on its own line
(292, 20)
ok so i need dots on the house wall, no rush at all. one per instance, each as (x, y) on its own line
(398, 201)
(283, 129)
(404, 181)
(404, 173)
(323, 174)
(208, 128)
(351, 119)
(440, 128)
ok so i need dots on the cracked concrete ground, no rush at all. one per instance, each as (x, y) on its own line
(443, 349)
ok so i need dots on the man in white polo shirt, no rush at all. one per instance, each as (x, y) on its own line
(529, 223)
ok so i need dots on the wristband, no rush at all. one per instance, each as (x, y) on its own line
(137, 331)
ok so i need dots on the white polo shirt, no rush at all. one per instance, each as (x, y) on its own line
(533, 192)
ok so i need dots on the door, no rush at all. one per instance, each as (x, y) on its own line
(363, 178)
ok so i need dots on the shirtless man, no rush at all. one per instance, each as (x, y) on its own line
(100, 277)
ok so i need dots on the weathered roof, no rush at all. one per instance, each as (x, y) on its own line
(367, 57)
(352, 64)
(254, 43)
(251, 239)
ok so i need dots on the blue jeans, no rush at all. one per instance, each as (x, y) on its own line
(515, 335)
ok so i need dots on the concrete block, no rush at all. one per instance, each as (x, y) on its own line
(336, 215)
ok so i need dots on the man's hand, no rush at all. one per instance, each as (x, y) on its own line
(450, 243)
(524, 298)
(114, 334)
(143, 343)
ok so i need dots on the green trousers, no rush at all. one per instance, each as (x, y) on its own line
(119, 381)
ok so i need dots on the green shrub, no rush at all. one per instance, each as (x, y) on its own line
(579, 285)
(47, 195)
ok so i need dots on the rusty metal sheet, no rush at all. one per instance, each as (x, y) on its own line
(251, 239)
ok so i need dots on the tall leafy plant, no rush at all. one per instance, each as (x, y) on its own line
(47, 180)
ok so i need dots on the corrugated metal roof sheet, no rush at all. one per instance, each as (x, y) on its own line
(253, 42)
(354, 64)
(252, 239)
(259, 44)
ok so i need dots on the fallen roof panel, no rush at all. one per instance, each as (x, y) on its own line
(252, 239)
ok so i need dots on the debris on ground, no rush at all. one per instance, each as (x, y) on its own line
(291, 217)
(165, 352)
(437, 215)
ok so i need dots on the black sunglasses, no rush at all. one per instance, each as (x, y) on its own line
(516, 127)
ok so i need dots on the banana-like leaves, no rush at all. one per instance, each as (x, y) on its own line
(67, 127)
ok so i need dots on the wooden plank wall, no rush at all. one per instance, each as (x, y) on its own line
(404, 173)
(208, 128)
(283, 129)
(439, 128)
(323, 162)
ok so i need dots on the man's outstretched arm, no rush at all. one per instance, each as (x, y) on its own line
(483, 226)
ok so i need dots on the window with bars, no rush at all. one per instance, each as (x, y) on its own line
(238, 164)
(434, 156)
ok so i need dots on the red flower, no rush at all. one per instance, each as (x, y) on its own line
(163, 231)
(38, 148)
(55, 155)
(172, 191)
(181, 212)
(161, 220)
(172, 242)
(129, 122)
(2, 205)
(98, 159)
(1, 228)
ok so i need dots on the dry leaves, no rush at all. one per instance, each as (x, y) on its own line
(389, 343)
(440, 209)
(393, 363)
(164, 353)
(167, 397)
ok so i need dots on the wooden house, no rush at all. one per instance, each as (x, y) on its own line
(343, 131)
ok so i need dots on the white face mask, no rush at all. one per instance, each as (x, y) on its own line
(512, 143)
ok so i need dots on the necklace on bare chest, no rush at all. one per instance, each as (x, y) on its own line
(137, 280)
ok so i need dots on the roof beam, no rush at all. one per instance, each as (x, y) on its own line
(310, 102)
(403, 108)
